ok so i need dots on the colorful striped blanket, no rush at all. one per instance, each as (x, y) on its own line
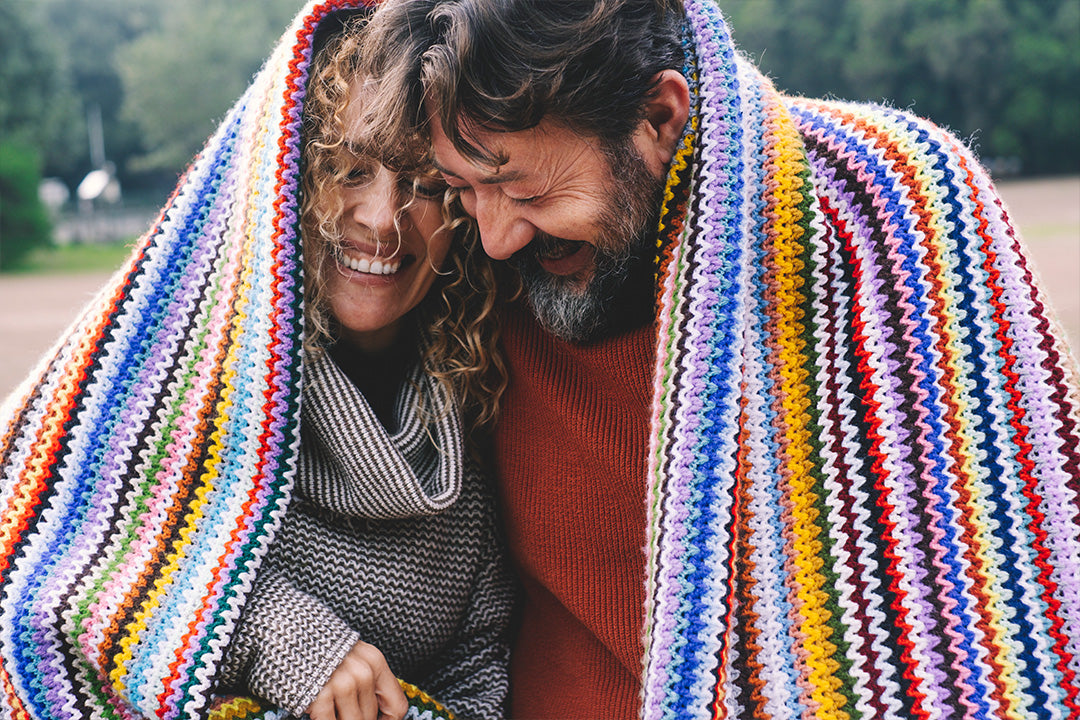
(864, 466)
(864, 462)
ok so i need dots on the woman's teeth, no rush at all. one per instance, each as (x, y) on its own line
(373, 266)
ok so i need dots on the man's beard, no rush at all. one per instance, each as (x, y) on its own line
(624, 253)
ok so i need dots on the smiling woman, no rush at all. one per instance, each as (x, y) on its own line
(375, 238)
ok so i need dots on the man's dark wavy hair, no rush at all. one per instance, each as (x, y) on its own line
(505, 65)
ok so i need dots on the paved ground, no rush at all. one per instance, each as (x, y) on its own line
(1048, 215)
(34, 310)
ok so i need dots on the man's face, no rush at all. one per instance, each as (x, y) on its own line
(571, 215)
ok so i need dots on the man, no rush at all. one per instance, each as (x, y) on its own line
(827, 388)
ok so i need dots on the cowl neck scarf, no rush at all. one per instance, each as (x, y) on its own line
(864, 457)
(146, 463)
(351, 465)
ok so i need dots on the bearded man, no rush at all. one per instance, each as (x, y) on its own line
(793, 349)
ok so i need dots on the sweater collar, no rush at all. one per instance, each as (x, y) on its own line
(351, 464)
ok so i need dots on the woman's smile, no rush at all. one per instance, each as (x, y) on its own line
(369, 264)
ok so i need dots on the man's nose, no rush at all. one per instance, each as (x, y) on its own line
(503, 230)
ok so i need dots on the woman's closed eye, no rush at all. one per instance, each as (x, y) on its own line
(428, 189)
(427, 185)
(359, 174)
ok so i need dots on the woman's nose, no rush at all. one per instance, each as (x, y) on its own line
(375, 204)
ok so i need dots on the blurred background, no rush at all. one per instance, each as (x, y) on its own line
(104, 102)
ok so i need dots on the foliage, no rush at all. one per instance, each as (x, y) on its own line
(1004, 74)
(36, 104)
(90, 34)
(23, 222)
(161, 73)
(180, 78)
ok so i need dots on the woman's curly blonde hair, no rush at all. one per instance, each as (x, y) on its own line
(456, 319)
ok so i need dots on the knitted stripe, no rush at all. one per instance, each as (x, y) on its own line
(369, 480)
(863, 471)
(678, 658)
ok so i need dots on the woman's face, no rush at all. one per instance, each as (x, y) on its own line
(382, 270)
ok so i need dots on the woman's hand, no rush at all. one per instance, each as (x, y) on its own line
(361, 688)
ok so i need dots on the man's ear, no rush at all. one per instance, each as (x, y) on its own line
(666, 113)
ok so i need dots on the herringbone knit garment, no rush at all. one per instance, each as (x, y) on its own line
(147, 463)
(390, 539)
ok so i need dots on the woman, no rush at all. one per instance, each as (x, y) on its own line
(155, 551)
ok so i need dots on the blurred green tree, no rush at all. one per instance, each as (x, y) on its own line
(1002, 74)
(160, 73)
(37, 106)
(89, 34)
(24, 225)
(181, 77)
(35, 112)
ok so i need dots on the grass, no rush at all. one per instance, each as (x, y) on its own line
(76, 257)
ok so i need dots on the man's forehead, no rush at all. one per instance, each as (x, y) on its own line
(515, 152)
(451, 161)
(489, 175)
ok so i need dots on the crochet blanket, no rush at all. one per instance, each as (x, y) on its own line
(146, 463)
(864, 461)
(863, 468)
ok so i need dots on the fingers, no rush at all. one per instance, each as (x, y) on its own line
(357, 704)
(391, 699)
(388, 700)
(322, 707)
(362, 687)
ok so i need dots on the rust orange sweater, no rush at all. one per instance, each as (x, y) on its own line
(571, 448)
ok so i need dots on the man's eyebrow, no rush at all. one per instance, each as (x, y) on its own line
(497, 179)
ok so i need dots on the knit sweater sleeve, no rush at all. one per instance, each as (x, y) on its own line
(286, 645)
(472, 678)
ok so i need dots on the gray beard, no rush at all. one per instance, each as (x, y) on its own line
(628, 225)
(572, 312)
